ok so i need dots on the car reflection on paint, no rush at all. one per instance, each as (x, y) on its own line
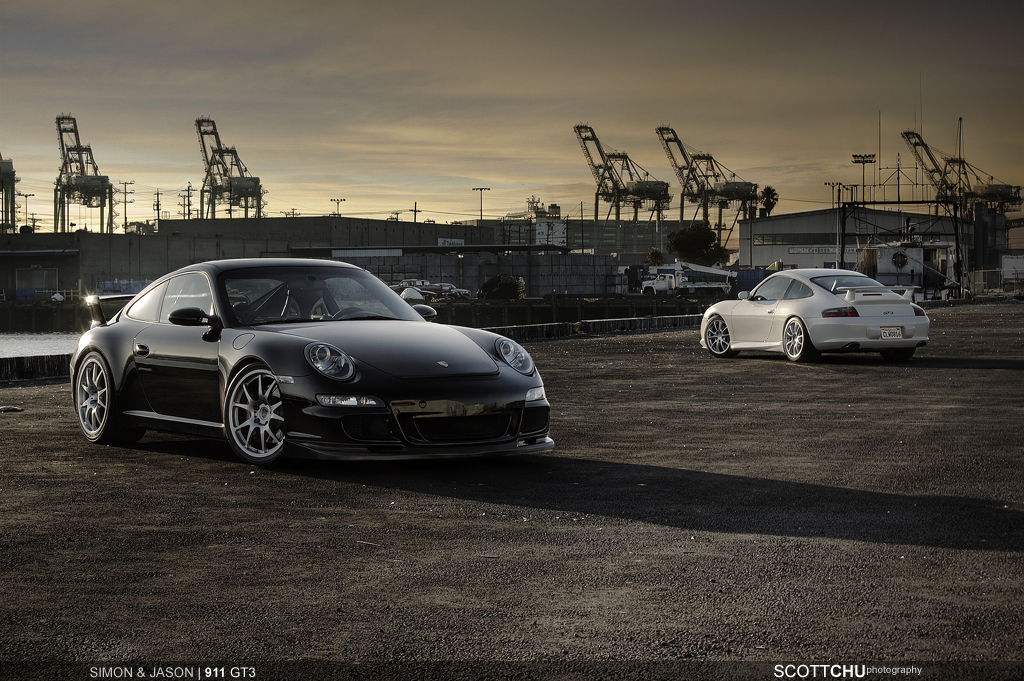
(805, 312)
(316, 358)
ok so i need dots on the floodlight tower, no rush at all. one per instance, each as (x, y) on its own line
(79, 180)
(227, 180)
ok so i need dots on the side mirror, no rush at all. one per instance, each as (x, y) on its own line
(427, 312)
(192, 316)
(743, 295)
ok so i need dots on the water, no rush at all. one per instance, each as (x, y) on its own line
(32, 344)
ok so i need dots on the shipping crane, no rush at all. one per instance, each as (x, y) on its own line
(705, 181)
(957, 181)
(8, 207)
(620, 180)
(79, 180)
(227, 180)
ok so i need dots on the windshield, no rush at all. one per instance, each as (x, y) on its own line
(277, 295)
(833, 282)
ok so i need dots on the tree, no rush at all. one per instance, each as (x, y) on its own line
(655, 258)
(769, 199)
(696, 243)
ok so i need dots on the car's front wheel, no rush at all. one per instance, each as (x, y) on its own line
(96, 404)
(717, 338)
(253, 415)
(796, 342)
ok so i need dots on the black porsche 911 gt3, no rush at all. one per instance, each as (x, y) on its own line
(315, 357)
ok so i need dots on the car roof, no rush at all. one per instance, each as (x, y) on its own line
(217, 266)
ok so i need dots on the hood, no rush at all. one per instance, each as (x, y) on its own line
(401, 348)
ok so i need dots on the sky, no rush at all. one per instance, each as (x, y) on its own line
(396, 104)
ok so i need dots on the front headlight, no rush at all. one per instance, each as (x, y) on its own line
(330, 361)
(515, 355)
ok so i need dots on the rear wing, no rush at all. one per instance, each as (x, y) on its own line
(872, 291)
(103, 308)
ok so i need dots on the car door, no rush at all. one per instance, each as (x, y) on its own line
(178, 365)
(752, 318)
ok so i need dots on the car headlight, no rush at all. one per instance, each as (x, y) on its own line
(515, 355)
(330, 361)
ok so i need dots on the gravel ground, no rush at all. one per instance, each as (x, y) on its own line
(699, 518)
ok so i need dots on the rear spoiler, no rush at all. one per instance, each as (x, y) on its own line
(851, 291)
(103, 308)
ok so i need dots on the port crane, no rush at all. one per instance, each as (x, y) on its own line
(79, 180)
(705, 181)
(957, 181)
(8, 207)
(620, 180)
(227, 181)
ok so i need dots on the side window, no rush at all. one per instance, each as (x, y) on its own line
(188, 290)
(772, 289)
(799, 290)
(147, 308)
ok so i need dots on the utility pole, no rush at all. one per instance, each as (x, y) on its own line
(156, 207)
(481, 190)
(125, 201)
(187, 205)
(415, 210)
(337, 206)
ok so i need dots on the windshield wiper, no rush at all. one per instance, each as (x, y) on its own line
(366, 316)
(290, 320)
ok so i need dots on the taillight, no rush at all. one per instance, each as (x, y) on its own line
(840, 312)
(919, 311)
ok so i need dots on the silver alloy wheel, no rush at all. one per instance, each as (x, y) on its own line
(255, 423)
(92, 396)
(716, 336)
(794, 338)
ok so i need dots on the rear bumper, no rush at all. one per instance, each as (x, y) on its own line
(861, 333)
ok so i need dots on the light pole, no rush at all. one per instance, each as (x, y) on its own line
(337, 206)
(863, 160)
(26, 207)
(481, 190)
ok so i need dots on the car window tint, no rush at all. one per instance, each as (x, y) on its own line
(772, 288)
(833, 282)
(799, 290)
(147, 308)
(188, 290)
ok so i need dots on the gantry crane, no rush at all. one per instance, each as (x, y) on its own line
(620, 180)
(8, 207)
(79, 180)
(957, 181)
(705, 181)
(227, 181)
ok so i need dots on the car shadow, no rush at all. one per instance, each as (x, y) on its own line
(866, 359)
(693, 500)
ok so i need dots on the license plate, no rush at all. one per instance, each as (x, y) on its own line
(892, 332)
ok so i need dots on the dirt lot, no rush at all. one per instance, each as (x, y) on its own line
(741, 512)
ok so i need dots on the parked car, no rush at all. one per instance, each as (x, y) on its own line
(805, 312)
(312, 357)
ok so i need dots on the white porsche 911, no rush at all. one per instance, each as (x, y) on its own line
(806, 312)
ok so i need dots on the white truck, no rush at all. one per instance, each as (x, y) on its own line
(663, 284)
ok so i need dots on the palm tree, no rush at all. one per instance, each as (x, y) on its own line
(769, 199)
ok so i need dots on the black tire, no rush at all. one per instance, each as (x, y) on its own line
(253, 421)
(717, 338)
(796, 342)
(95, 402)
(897, 354)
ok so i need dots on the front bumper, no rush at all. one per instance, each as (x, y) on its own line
(415, 420)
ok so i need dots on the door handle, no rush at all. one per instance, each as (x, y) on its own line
(141, 350)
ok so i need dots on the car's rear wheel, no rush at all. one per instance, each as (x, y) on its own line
(796, 342)
(96, 404)
(253, 415)
(717, 338)
(897, 354)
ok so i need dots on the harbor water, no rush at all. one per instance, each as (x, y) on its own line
(38, 344)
